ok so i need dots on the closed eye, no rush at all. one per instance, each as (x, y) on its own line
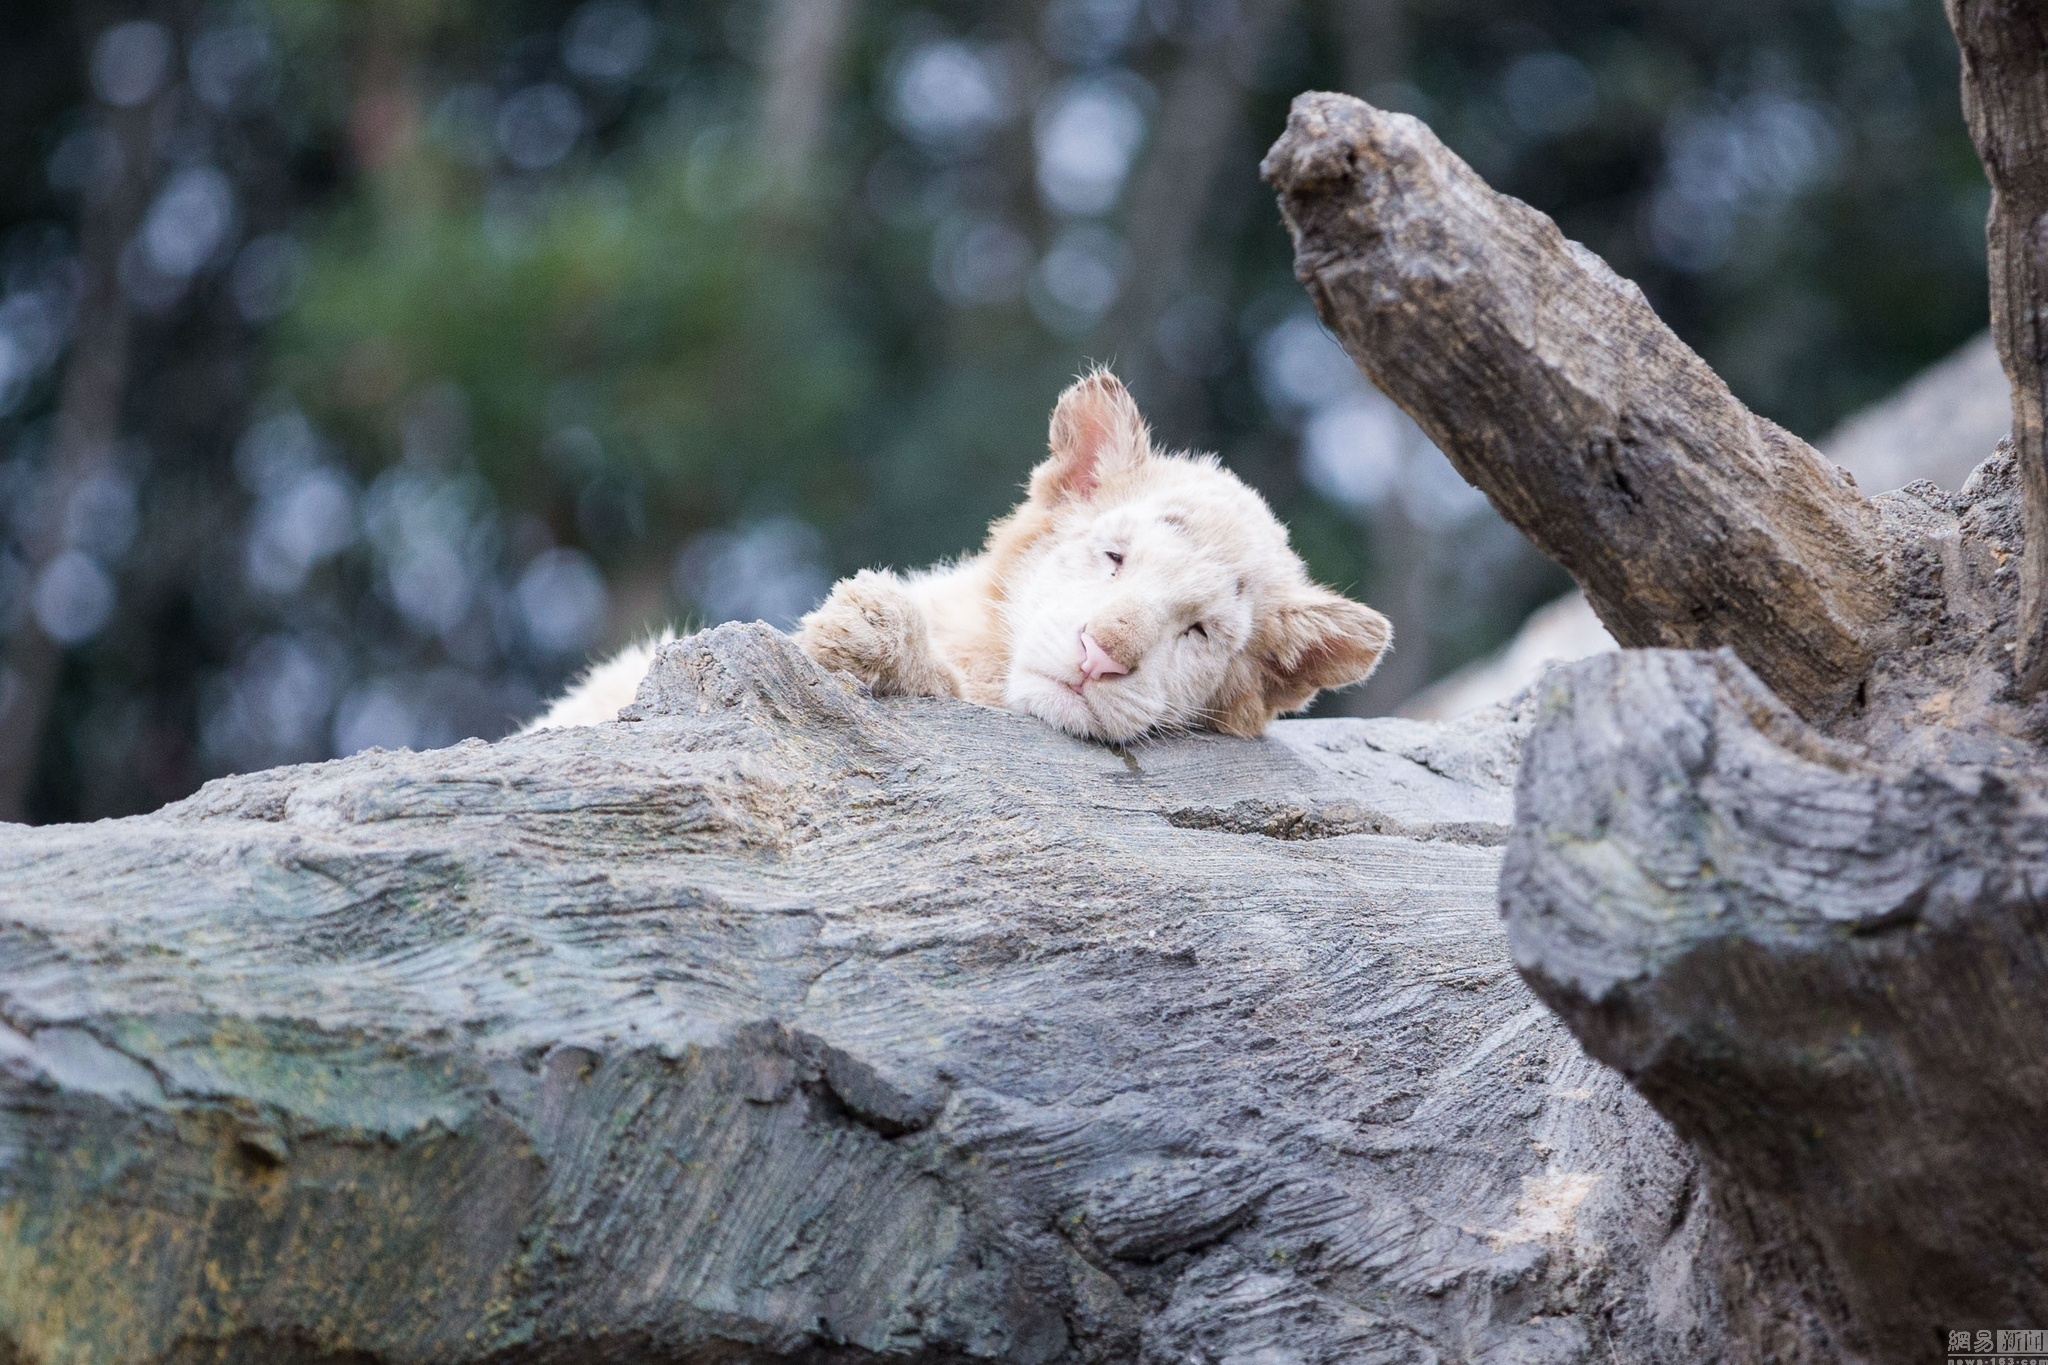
(1198, 629)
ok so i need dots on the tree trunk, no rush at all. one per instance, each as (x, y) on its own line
(1786, 887)
(1191, 149)
(799, 79)
(88, 423)
(782, 1024)
(2005, 98)
(1825, 971)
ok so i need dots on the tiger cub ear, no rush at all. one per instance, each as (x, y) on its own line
(1096, 434)
(1318, 639)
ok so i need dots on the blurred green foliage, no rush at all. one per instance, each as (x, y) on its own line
(606, 329)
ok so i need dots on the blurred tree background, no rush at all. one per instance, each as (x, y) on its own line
(365, 367)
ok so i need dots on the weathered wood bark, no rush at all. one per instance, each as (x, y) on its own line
(1552, 386)
(2005, 99)
(782, 1024)
(1790, 888)
(1826, 971)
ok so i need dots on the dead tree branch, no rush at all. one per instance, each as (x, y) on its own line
(1816, 947)
(2005, 99)
(1553, 386)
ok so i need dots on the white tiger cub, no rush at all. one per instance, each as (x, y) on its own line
(1131, 592)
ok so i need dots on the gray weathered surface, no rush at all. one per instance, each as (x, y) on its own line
(1825, 970)
(2005, 100)
(1938, 427)
(1553, 386)
(1789, 888)
(1689, 521)
(782, 1024)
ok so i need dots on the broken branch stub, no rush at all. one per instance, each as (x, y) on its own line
(1553, 387)
(2005, 99)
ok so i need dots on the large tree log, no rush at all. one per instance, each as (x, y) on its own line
(1936, 427)
(1806, 925)
(782, 1024)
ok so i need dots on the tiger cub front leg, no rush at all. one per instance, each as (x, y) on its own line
(872, 628)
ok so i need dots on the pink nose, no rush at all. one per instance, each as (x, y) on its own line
(1096, 661)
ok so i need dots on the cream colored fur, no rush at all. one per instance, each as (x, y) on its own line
(599, 693)
(1165, 567)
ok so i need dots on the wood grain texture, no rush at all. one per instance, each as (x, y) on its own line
(2005, 100)
(784, 1024)
(1552, 386)
(1790, 887)
(1825, 970)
